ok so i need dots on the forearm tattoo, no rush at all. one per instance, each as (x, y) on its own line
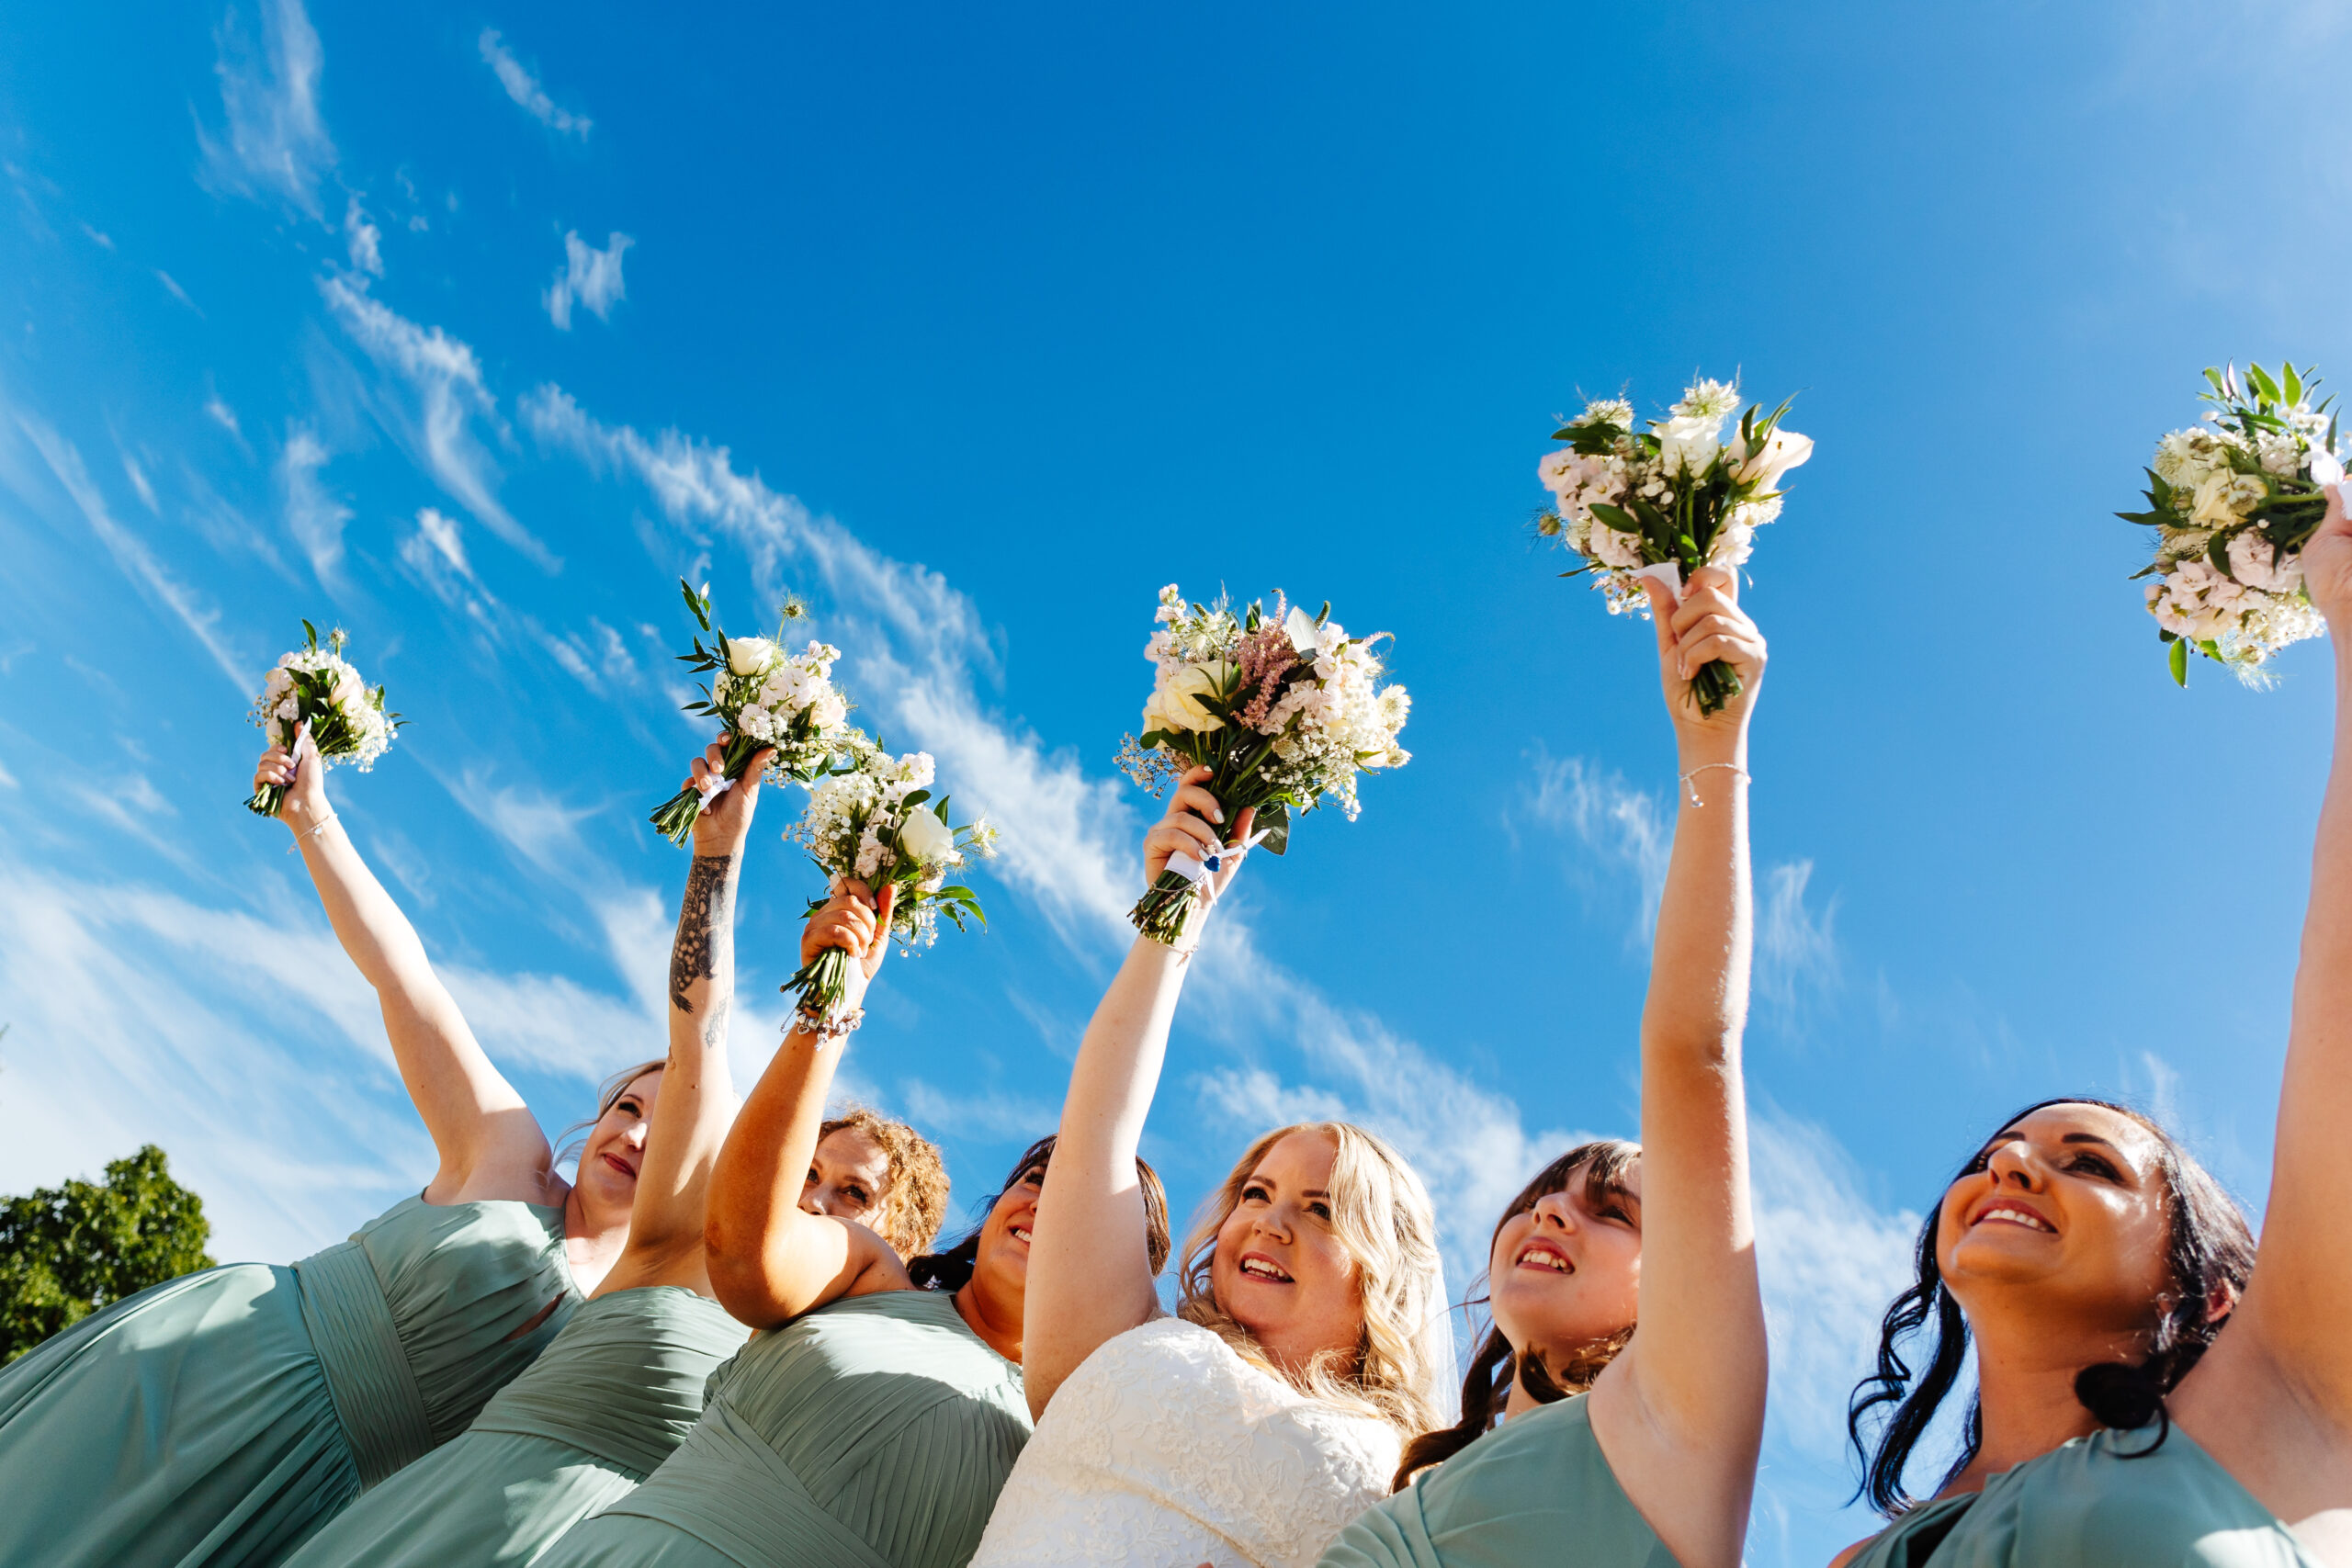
(706, 944)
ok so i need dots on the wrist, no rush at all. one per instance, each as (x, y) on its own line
(1698, 748)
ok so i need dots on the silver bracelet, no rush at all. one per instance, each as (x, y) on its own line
(311, 833)
(827, 1030)
(1686, 780)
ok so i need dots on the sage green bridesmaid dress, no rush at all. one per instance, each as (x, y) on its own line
(1536, 1489)
(2110, 1500)
(220, 1418)
(875, 1432)
(607, 1403)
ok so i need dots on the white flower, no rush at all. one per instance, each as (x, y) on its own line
(1613, 546)
(1180, 702)
(1733, 546)
(829, 710)
(1300, 627)
(2254, 562)
(2224, 497)
(1560, 470)
(1783, 450)
(925, 840)
(1607, 411)
(749, 655)
(1689, 442)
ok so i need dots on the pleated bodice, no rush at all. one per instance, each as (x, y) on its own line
(874, 1432)
(1536, 1489)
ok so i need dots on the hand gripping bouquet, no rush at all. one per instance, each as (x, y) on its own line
(873, 818)
(1284, 708)
(763, 695)
(1659, 504)
(346, 716)
(2232, 505)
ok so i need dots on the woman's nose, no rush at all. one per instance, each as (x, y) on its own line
(1555, 1209)
(2015, 1163)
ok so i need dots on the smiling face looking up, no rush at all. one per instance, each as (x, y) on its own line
(1279, 1269)
(848, 1177)
(2063, 1214)
(614, 1152)
(1565, 1272)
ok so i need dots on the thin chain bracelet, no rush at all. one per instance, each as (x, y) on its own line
(311, 833)
(826, 1032)
(1686, 780)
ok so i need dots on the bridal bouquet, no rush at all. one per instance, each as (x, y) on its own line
(346, 716)
(2232, 505)
(763, 696)
(1285, 708)
(873, 818)
(1661, 503)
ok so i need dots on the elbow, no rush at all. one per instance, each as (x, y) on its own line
(734, 1259)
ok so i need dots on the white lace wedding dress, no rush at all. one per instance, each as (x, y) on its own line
(1165, 1449)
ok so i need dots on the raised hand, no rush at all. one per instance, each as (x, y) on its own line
(726, 819)
(302, 773)
(2327, 566)
(853, 922)
(1191, 824)
(1704, 626)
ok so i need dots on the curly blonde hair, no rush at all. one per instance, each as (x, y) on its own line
(1384, 1220)
(913, 1204)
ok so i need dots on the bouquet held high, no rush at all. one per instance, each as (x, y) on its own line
(315, 685)
(873, 818)
(2233, 505)
(1659, 504)
(764, 696)
(1283, 709)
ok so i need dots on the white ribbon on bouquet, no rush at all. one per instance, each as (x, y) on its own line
(1202, 874)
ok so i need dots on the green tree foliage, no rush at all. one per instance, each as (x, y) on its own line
(67, 1251)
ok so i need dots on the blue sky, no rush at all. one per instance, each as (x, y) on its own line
(976, 328)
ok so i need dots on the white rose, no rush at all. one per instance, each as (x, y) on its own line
(2224, 497)
(924, 839)
(1183, 700)
(1783, 450)
(1687, 443)
(749, 655)
(827, 710)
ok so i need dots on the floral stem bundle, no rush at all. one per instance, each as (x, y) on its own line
(1659, 504)
(2232, 505)
(347, 717)
(873, 818)
(763, 696)
(1283, 708)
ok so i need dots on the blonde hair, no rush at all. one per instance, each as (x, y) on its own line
(573, 1140)
(1384, 1220)
(913, 1202)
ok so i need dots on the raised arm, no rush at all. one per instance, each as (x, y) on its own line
(698, 1100)
(1090, 1269)
(1682, 1413)
(769, 1259)
(488, 1142)
(2277, 1382)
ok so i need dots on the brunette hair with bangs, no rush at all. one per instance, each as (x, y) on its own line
(1605, 1163)
(2211, 1254)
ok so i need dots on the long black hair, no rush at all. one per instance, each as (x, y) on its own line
(1605, 1164)
(952, 1270)
(2210, 1254)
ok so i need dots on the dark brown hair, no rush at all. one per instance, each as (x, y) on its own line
(952, 1270)
(1605, 1164)
(2211, 1255)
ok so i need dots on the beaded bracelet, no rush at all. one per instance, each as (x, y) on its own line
(827, 1030)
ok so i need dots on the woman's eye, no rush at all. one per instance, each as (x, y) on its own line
(2096, 1166)
(1254, 1193)
(856, 1195)
(1319, 1209)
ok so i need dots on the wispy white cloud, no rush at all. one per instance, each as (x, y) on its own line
(104, 241)
(525, 89)
(446, 379)
(137, 478)
(591, 277)
(363, 239)
(221, 414)
(313, 516)
(173, 284)
(1625, 831)
(275, 137)
(996, 1116)
(131, 555)
(1797, 958)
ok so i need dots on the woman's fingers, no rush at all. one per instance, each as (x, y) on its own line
(883, 911)
(1747, 652)
(1187, 833)
(1662, 611)
(1199, 801)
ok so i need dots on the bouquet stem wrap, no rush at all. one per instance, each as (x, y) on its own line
(1283, 708)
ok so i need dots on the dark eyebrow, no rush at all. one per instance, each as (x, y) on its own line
(2088, 1139)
